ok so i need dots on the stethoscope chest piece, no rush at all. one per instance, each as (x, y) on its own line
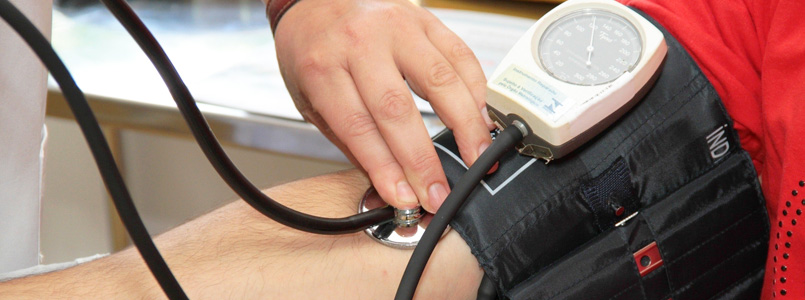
(404, 232)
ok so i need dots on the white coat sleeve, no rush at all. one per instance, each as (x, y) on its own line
(23, 83)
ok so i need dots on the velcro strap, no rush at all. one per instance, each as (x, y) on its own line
(611, 195)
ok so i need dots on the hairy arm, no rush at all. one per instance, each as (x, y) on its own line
(235, 252)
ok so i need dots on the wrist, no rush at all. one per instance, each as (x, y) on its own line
(275, 9)
(366, 267)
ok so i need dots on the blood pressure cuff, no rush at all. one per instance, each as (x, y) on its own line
(664, 204)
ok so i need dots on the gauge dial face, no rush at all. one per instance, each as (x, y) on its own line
(589, 47)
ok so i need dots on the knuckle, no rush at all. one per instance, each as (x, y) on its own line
(357, 125)
(478, 91)
(353, 33)
(478, 86)
(393, 13)
(423, 163)
(461, 51)
(395, 106)
(441, 74)
(470, 123)
(314, 64)
(384, 167)
(464, 125)
(432, 23)
(365, 29)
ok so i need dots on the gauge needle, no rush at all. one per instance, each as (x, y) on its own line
(590, 47)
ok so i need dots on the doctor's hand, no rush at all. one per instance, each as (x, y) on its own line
(346, 64)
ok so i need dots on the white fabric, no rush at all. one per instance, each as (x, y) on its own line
(42, 269)
(22, 113)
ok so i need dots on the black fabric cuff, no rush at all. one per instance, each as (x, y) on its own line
(544, 231)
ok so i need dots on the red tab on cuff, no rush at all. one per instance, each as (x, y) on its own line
(648, 259)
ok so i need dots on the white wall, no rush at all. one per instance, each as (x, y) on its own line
(168, 176)
(75, 220)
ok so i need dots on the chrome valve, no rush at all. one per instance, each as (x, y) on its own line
(407, 217)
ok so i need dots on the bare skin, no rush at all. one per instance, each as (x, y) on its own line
(346, 64)
(237, 253)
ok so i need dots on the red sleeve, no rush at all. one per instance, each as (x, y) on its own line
(783, 111)
(724, 42)
(753, 52)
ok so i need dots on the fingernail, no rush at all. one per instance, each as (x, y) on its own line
(436, 195)
(493, 169)
(485, 113)
(405, 194)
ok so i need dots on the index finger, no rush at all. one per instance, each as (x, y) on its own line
(399, 121)
(463, 61)
(448, 94)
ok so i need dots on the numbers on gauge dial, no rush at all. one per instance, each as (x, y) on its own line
(589, 47)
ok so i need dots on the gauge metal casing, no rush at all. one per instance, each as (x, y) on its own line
(563, 112)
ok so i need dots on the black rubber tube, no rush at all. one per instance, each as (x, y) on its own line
(98, 146)
(504, 142)
(216, 154)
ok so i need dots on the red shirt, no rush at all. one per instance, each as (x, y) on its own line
(753, 52)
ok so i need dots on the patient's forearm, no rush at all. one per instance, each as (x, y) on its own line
(235, 252)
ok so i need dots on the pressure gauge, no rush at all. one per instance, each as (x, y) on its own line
(589, 47)
(573, 73)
